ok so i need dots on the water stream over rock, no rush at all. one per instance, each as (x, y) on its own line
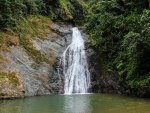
(75, 67)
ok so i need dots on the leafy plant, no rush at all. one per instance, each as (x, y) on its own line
(120, 32)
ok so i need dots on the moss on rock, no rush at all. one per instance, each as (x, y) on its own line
(11, 85)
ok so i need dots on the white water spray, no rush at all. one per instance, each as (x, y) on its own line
(75, 67)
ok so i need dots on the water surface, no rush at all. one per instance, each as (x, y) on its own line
(91, 103)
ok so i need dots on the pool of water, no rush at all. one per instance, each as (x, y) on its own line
(90, 103)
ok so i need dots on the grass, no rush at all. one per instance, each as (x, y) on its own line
(33, 26)
(31, 50)
(12, 77)
(8, 38)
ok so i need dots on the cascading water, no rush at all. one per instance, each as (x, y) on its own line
(75, 67)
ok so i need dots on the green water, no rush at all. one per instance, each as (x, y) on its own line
(91, 103)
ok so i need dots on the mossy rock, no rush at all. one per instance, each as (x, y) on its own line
(11, 85)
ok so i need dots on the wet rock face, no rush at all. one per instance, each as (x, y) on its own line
(35, 78)
(101, 81)
(104, 82)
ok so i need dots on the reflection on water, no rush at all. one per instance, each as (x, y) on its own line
(92, 103)
(6, 106)
(77, 104)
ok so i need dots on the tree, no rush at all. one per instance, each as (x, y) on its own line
(120, 31)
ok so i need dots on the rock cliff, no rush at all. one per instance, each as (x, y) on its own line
(22, 76)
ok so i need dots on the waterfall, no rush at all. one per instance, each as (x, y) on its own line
(75, 67)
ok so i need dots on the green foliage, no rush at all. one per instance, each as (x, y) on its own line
(65, 10)
(78, 9)
(10, 11)
(35, 6)
(120, 32)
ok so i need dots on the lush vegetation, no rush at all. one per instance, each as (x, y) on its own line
(13, 10)
(120, 32)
